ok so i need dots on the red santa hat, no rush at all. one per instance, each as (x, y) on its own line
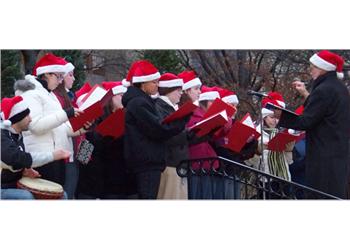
(69, 67)
(13, 110)
(265, 112)
(208, 94)
(82, 92)
(275, 98)
(49, 63)
(126, 83)
(228, 96)
(116, 87)
(143, 71)
(328, 61)
(169, 80)
(299, 110)
(190, 79)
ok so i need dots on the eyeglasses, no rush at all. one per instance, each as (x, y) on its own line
(59, 76)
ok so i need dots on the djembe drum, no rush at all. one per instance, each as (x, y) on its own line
(40, 188)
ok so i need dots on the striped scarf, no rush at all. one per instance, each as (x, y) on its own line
(276, 161)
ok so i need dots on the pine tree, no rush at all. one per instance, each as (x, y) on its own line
(164, 60)
(10, 71)
(77, 59)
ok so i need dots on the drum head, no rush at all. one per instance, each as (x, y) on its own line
(41, 185)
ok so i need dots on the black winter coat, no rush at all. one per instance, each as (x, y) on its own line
(13, 155)
(106, 173)
(145, 135)
(326, 120)
(177, 146)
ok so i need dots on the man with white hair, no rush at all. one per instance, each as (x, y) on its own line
(326, 120)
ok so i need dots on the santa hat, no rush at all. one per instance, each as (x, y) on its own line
(265, 112)
(190, 79)
(328, 61)
(169, 80)
(13, 110)
(143, 71)
(116, 87)
(208, 94)
(82, 92)
(128, 79)
(126, 83)
(69, 67)
(228, 96)
(49, 63)
(275, 98)
(299, 110)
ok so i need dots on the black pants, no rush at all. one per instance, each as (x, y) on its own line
(53, 171)
(148, 184)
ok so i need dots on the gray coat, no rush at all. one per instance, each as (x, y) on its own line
(326, 120)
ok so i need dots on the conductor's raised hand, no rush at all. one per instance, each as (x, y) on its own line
(300, 87)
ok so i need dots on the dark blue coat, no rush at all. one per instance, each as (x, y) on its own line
(13, 155)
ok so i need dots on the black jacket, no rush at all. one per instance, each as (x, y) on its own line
(106, 173)
(145, 135)
(326, 120)
(177, 146)
(13, 155)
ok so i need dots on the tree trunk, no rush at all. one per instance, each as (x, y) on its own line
(29, 57)
(243, 73)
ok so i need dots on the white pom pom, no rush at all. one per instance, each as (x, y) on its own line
(125, 83)
(340, 75)
(31, 79)
(7, 123)
(291, 131)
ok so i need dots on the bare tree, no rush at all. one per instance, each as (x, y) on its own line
(260, 70)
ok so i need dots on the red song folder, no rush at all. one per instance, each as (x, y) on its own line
(280, 140)
(217, 106)
(183, 111)
(94, 95)
(240, 132)
(206, 125)
(91, 113)
(113, 125)
(106, 98)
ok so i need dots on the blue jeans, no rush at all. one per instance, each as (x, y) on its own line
(71, 179)
(20, 194)
(16, 194)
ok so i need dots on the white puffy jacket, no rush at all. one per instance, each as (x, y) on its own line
(49, 129)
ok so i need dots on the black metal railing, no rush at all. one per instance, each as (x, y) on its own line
(221, 178)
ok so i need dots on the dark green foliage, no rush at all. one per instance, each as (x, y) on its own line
(10, 71)
(77, 59)
(164, 60)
